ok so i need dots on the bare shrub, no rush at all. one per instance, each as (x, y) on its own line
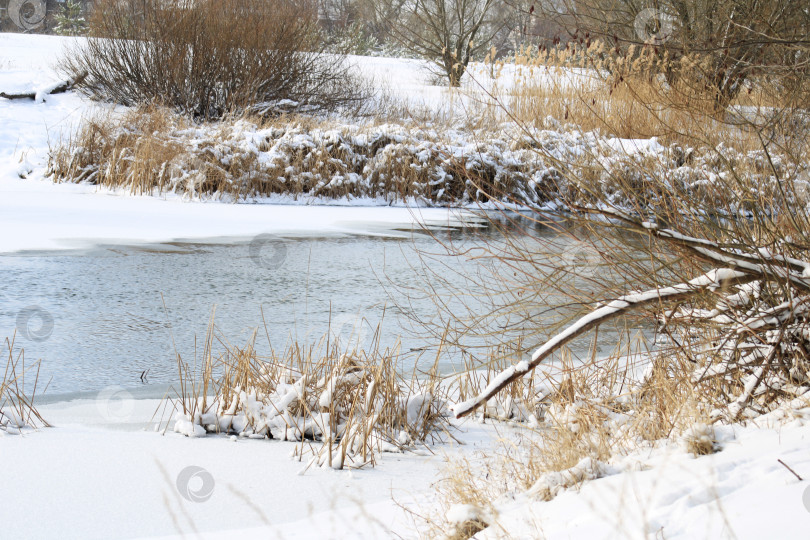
(720, 272)
(209, 58)
(712, 257)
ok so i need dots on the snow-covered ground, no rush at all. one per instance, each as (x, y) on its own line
(98, 474)
(103, 472)
(743, 491)
(38, 215)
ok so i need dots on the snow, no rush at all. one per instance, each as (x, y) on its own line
(44, 216)
(739, 492)
(634, 146)
(460, 513)
(96, 477)
(124, 475)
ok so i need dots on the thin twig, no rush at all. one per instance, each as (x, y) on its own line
(785, 465)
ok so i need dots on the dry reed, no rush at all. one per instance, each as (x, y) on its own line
(17, 410)
(342, 407)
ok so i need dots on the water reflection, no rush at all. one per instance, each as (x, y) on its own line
(118, 311)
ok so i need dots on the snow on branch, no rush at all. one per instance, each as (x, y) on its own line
(760, 261)
(714, 279)
(40, 94)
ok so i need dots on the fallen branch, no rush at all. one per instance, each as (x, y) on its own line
(56, 88)
(717, 278)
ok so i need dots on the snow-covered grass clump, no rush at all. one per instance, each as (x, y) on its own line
(152, 151)
(593, 431)
(342, 408)
(663, 490)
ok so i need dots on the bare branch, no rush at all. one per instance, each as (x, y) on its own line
(715, 279)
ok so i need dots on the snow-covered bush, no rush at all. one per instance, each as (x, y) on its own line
(700, 440)
(153, 150)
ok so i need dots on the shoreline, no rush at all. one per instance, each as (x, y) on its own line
(53, 217)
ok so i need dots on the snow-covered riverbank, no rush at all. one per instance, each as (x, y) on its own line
(103, 472)
(38, 215)
(98, 475)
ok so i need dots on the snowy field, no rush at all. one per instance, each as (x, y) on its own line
(102, 472)
(99, 475)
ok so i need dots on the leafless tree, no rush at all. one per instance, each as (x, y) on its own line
(449, 32)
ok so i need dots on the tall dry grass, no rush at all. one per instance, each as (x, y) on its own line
(17, 409)
(591, 88)
(151, 150)
(585, 418)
